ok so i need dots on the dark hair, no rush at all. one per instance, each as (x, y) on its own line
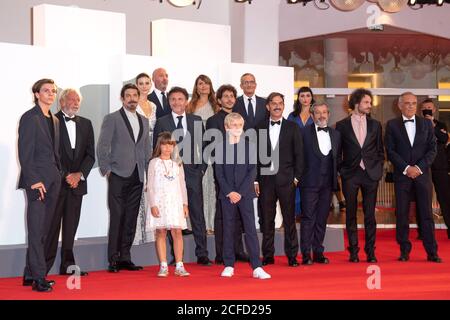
(164, 137)
(273, 95)
(38, 85)
(192, 106)
(142, 75)
(356, 97)
(223, 88)
(297, 104)
(180, 90)
(427, 100)
(126, 87)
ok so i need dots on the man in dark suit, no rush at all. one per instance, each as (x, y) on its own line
(77, 158)
(277, 180)
(40, 177)
(226, 97)
(123, 152)
(159, 95)
(251, 107)
(322, 146)
(411, 147)
(235, 171)
(188, 131)
(361, 168)
(439, 167)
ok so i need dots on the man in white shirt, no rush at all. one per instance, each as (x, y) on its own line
(159, 94)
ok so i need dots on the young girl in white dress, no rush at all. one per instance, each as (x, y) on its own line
(168, 201)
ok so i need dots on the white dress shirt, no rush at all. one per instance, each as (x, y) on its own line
(324, 140)
(159, 96)
(71, 130)
(253, 99)
(410, 128)
(134, 122)
(183, 121)
(274, 136)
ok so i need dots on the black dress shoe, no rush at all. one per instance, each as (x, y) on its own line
(293, 262)
(320, 258)
(404, 256)
(267, 261)
(434, 258)
(354, 258)
(186, 232)
(371, 258)
(113, 268)
(306, 260)
(242, 257)
(204, 261)
(82, 273)
(128, 265)
(29, 282)
(41, 286)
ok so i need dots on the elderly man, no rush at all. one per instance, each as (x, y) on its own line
(77, 158)
(322, 146)
(411, 147)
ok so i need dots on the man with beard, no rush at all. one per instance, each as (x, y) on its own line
(322, 146)
(123, 152)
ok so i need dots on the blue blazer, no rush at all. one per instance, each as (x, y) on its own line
(312, 156)
(237, 177)
(260, 111)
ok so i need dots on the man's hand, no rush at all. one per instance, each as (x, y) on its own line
(257, 189)
(234, 197)
(41, 188)
(412, 172)
(186, 210)
(431, 118)
(155, 212)
(73, 179)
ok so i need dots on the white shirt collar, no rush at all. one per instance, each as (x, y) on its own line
(129, 113)
(413, 118)
(175, 115)
(65, 115)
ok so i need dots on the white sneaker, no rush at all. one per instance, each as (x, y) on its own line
(163, 272)
(181, 272)
(259, 273)
(227, 272)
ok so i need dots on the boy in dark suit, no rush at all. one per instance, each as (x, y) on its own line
(236, 173)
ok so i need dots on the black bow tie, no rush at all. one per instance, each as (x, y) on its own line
(408, 120)
(324, 129)
(275, 122)
(69, 119)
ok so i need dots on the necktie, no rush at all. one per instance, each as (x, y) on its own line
(408, 120)
(250, 112)
(180, 124)
(324, 129)
(275, 122)
(165, 103)
(69, 119)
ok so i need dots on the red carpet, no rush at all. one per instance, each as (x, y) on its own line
(416, 279)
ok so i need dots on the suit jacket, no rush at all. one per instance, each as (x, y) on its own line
(289, 148)
(38, 153)
(401, 153)
(440, 163)
(313, 156)
(160, 111)
(116, 149)
(196, 165)
(83, 157)
(260, 111)
(372, 151)
(240, 176)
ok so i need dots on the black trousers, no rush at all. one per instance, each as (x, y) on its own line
(441, 181)
(421, 186)
(350, 188)
(219, 234)
(67, 215)
(313, 225)
(244, 208)
(39, 217)
(124, 195)
(269, 194)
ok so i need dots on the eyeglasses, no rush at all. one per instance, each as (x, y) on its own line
(248, 83)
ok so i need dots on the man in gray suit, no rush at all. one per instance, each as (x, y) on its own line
(123, 152)
(38, 147)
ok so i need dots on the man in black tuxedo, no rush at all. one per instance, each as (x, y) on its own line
(123, 152)
(40, 177)
(159, 95)
(188, 131)
(251, 107)
(226, 97)
(361, 168)
(277, 180)
(439, 167)
(411, 147)
(77, 158)
(322, 146)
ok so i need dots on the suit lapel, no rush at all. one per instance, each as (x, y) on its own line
(419, 127)
(333, 143)
(403, 131)
(78, 138)
(155, 100)
(127, 123)
(370, 130)
(43, 122)
(349, 127)
(315, 141)
(65, 136)
(141, 127)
